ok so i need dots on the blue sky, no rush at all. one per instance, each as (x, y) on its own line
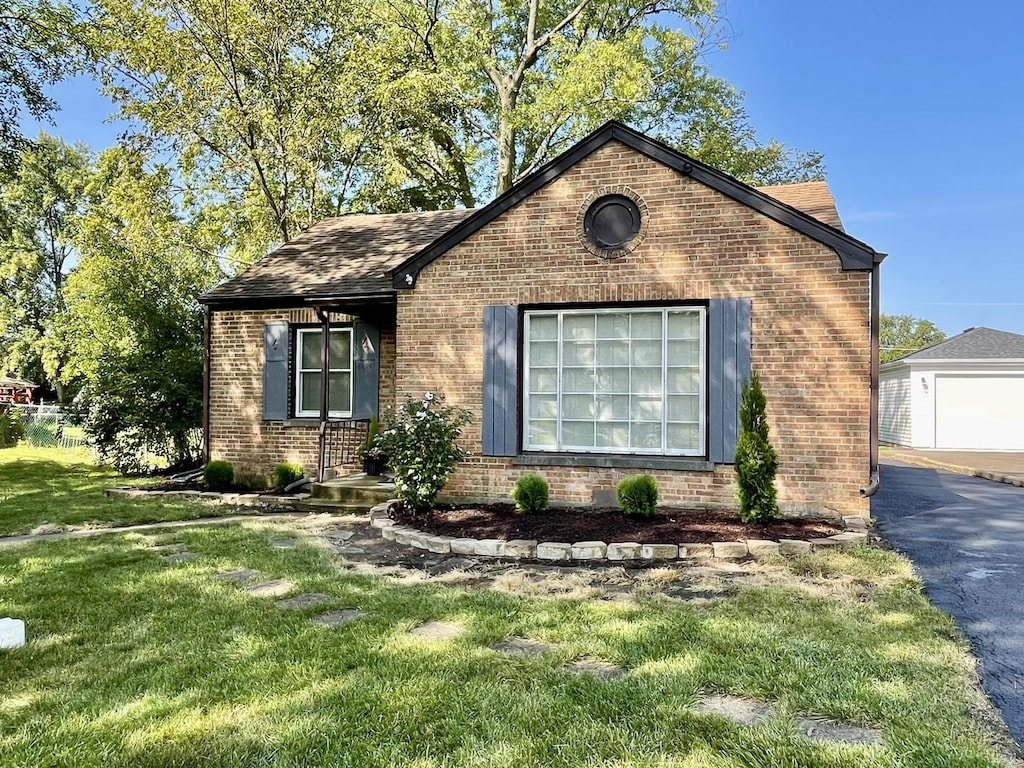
(918, 108)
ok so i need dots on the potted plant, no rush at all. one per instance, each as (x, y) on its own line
(371, 453)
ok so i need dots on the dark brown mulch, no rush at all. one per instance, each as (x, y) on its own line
(670, 526)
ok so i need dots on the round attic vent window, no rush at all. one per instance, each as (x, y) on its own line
(611, 222)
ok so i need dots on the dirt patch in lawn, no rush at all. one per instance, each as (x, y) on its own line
(670, 525)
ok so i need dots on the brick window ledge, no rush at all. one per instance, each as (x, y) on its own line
(679, 463)
(302, 422)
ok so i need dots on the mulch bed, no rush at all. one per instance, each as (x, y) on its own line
(670, 526)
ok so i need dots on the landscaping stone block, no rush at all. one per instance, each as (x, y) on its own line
(247, 499)
(523, 548)
(489, 548)
(272, 588)
(589, 550)
(418, 539)
(729, 549)
(554, 550)
(403, 535)
(12, 633)
(381, 522)
(628, 550)
(228, 498)
(820, 544)
(762, 547)
(850, 538)
(855, 523)
(391, 533)
(659, 552)
(696, 550)
(441, 545)
(794, 547)
(839, 733)
(464, 546)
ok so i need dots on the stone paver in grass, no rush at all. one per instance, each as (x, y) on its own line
(741, 711)
(339, 618)
(597, 668)
(839, 733)
(272, 588)
(238, 576)
(178, 557)
(284, 543)
(307, 600)
(437, 630)
(521, 646)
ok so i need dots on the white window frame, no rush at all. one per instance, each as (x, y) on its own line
(561, 314)
(301, 412)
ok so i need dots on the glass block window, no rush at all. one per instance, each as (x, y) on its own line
(615, 381)
(308, 374)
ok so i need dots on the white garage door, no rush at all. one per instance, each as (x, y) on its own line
(979, 412)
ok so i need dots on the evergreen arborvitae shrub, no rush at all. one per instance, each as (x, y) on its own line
(531, 493)
(756, 460)
(638, 495)
(218, 475)
(287, 473)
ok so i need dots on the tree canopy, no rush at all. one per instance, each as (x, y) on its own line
(900, 335)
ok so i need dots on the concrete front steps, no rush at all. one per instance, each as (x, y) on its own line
(351, 495)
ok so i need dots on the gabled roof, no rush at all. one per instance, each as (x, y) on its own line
(853, 254)
(6, 382)
(812, 197)
(345, 255)
(973, 344)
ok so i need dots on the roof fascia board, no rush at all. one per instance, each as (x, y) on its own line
(221, 304)
(854, 255)
(982, 363)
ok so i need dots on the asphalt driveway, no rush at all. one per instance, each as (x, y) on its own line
(965, 535)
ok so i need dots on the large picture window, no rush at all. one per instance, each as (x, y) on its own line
(615, 381)
(308, 372)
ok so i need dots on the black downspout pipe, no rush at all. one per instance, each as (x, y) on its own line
(874, 481)
(324, 316)
(207, 330)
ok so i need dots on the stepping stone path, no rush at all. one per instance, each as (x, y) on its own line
(596, 668)
(521, 646)
(272, 588)
(437, 630)
(841, 733)
(308, 600)
(740, 711)
(178, 557)
(338, 618)
(239, 576)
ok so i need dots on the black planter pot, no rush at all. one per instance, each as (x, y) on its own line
(373, 467)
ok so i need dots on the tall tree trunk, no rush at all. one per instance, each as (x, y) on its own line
(506, 155)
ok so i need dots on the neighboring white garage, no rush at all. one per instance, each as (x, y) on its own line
(965, 393)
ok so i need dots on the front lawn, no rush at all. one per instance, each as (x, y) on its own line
(138, 661)
(51, 486)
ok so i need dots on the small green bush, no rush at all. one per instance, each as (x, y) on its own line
(531, 494)
(638, 495)
(218, 475)
(287, 473)
(11, 428)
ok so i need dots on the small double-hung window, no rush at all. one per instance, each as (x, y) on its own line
(308, 374)
(615, 381)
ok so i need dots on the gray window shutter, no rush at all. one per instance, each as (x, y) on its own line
(501, 380)
(365, 370)
(275, 371)
(728, 368)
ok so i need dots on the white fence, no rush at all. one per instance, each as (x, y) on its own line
(49, 426)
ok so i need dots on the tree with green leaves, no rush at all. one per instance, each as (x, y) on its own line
(900, 335)
(41, 200)
(756, 460)
(133, 326)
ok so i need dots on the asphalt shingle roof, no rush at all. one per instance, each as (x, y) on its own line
(974, 344)
(351, 255)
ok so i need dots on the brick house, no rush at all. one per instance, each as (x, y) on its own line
(597, 320)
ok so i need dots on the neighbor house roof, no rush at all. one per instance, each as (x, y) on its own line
(343, 255)
(973, 344)
(6, 382)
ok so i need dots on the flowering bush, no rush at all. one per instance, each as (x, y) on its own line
(419, 441)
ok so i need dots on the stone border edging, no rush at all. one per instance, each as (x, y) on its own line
(555, 551)
(212, 497)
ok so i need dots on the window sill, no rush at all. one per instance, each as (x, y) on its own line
(680, 463)
(302, 422)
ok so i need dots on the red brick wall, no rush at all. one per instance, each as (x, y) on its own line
(238, 432)
(810, 325)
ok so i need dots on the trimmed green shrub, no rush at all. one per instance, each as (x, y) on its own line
(11, 428)
(218, 475)
(638, 495)
(531, 493)
(419, 441)
(287, 473)
(756, 460)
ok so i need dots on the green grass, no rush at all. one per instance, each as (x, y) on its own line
(65, 488)
(136, 662)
